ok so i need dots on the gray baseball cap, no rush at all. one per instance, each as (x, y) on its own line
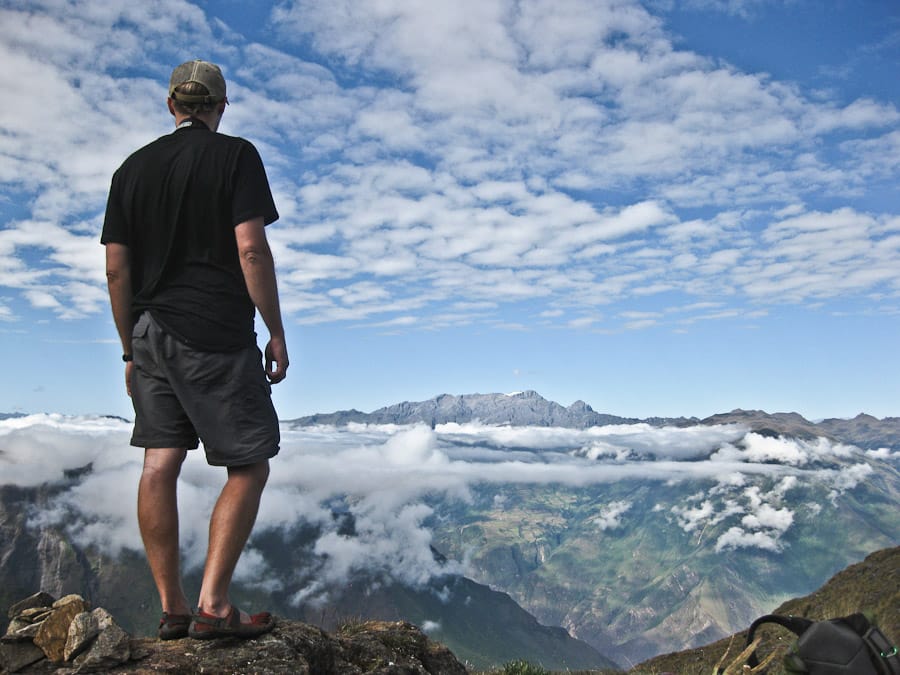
(203, 72)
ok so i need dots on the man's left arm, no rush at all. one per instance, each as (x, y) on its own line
(258, 267)
(118, 280)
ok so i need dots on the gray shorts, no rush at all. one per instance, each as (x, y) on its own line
(181, 396)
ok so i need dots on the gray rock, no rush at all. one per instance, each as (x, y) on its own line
(15, 656)
(110, 648)
(82, 631)
(21, 631)
(40, 599)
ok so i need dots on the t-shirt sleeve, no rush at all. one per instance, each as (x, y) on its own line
(252, 195)
(115, 229)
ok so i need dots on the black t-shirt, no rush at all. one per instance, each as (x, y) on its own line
(175, 203)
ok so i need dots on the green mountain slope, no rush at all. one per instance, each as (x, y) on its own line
(871, 586)
(650, 583)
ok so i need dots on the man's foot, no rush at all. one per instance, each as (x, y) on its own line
(174, 626)
(209, 626)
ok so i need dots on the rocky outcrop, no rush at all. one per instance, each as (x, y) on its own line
(64, 637)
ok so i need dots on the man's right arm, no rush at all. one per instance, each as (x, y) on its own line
(258, 267)
(118, 279)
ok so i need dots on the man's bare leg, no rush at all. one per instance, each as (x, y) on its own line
(229, 528)
(158, 521)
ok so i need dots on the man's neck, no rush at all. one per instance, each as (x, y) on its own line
(211, 120)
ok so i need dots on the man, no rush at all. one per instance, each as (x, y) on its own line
(188, 265)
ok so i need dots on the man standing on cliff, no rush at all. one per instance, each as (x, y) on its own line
(188, 265)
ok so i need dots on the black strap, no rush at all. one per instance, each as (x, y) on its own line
(883, 653)
(795, 624)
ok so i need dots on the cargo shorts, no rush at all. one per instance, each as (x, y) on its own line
(182, 396)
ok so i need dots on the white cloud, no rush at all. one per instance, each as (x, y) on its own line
(767, 517)
(610, 517)
(381, 475)
(462, 166)
(430, 626)
(736, 538)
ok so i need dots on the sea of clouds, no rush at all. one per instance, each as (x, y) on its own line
(386, 476)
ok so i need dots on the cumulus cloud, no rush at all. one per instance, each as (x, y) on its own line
(611, 514)
(424, 158)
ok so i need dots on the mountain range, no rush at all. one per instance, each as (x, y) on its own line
(528, 408)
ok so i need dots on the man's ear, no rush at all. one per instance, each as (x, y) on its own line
(171, 107)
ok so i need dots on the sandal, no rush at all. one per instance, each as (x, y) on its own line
(209, 626)
(174, 626)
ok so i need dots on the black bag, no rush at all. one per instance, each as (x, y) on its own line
(850, 645)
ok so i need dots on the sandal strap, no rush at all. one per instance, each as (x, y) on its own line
(232, 620)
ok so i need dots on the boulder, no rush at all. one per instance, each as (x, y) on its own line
(54, 631)
(108, 645)
(82, 631)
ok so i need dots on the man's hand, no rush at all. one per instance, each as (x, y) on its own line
(128, 368)
(276, 355)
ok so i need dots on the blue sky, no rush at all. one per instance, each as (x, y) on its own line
(659, 207)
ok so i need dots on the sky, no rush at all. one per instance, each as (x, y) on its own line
(752, 490)
(660, 208)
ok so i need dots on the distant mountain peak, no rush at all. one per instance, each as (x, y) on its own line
(529, 408)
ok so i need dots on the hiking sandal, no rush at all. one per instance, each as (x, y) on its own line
(209, 626)
(174, 626)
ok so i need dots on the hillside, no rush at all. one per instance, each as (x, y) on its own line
(871, 586)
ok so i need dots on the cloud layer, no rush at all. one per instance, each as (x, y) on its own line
(388, 479)
(436, 167)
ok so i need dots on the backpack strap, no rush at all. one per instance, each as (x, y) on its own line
(797, 625)
(883, 653)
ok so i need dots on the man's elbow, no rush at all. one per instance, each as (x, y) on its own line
(116, 276)
(255, 256)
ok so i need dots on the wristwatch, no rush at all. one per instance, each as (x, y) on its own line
(127, 357)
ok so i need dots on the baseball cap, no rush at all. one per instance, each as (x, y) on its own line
(202, 72)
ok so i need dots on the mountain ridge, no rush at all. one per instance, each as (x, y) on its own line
(529, 408)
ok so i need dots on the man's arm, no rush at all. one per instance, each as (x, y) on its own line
(118, 279)
(258, 267)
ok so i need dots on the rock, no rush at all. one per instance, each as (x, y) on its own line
(35, 614)
(54, 631)
(93, 642)
(21, 631)
(111, 647)
(296, 648)
(82, 631)
(15, 656)
(38, 600)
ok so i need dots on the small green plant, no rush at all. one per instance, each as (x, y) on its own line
(523, 668)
